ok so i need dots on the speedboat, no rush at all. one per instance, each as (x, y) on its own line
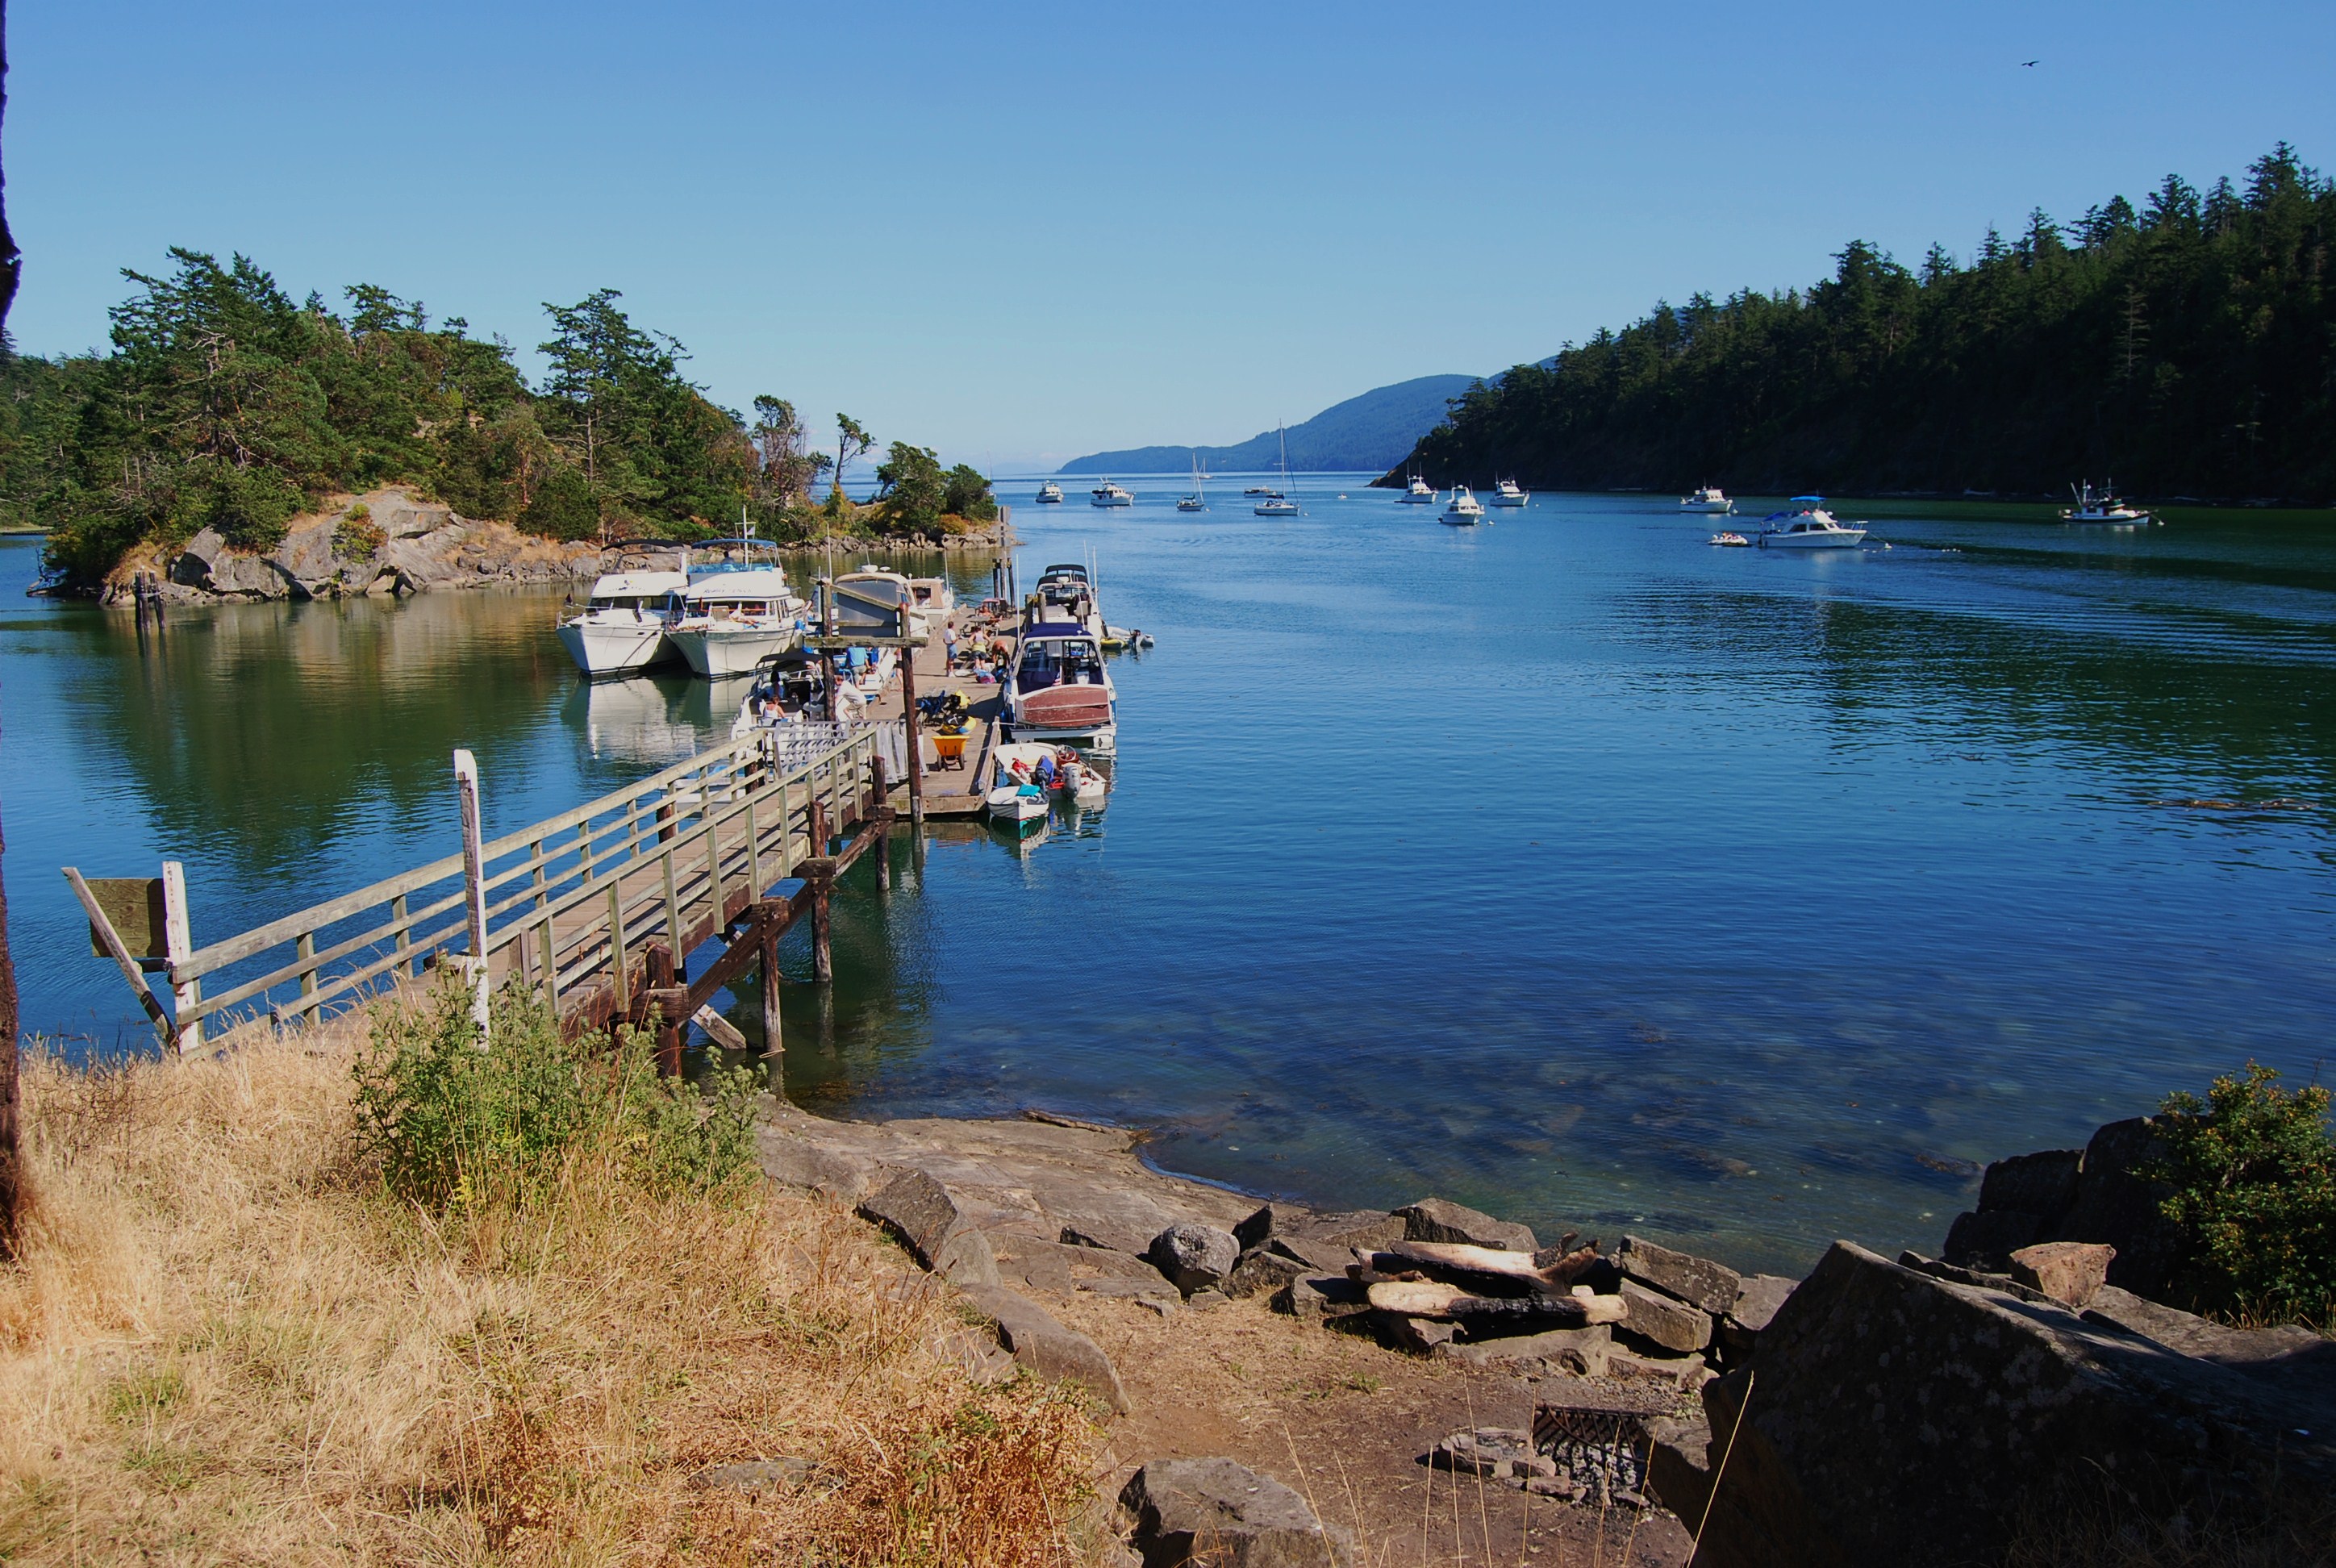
(1017, 792)
(1729, 537)
(622, 626)
(1709, 499)
(1065, 593)
(1050, 495)
(1057, 689)
(1506, 493)
(2103, 506)
(1465, 511)
(1420, 494)
(1109, 494)
(1810, 528)
(732, 616)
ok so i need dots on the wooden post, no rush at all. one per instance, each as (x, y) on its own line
(668, 1034)
(884, 814)
(823, 955)
(616, 956)
(820, 844)
(475, 889)
(916, 748)
(774, 1050)
(179, 946)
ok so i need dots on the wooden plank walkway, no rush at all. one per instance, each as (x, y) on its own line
(598, 908)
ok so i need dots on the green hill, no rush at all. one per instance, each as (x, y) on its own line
(2188, 348)
(1362, 434)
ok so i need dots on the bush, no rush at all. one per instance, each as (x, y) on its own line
(250, 506)
(454, 1127)
(969, 498)
(2253, 1170)
(358, 535)
(564, 506)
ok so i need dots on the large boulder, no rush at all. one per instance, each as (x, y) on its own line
(1441, 1220)
(193, 565)
(1194, 1257)
(2097, 1194)
(1698, 1281)
(1893, 1417)
(1045, 1346)
(920, 1212)
(1180, 1512)
(309, 559)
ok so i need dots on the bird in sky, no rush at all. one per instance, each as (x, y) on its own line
(2024, 63)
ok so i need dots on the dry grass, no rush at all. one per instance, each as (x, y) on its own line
(2290, 1527)
(224, 1345)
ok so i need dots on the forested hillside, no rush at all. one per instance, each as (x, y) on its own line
(1366, 431)
(225, 404)
(2187, 347)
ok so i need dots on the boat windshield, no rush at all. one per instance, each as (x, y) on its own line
(1059, 661)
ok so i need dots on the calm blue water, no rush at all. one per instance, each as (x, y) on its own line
(1569, 867)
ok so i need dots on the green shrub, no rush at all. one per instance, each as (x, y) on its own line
(564, 506)
(2253, 1170)
(358, 535)
(454, 1126)
(250, 506)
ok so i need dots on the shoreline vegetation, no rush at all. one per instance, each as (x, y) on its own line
(2184, 347)
(224, 406)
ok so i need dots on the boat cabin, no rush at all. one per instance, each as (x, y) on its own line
(1058, 655)
(734, 592)
(644, 593)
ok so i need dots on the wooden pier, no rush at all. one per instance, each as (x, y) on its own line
(598, 909)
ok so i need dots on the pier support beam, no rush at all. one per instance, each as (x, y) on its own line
(916, 747)
(669, 1027)
(819, 874)
(770, 919)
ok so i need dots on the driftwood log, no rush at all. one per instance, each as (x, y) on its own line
(1434, 1298)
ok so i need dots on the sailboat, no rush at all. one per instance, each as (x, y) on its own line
(1198, 500)
(1274, 503)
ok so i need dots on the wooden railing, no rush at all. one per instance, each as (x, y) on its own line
(573, 905)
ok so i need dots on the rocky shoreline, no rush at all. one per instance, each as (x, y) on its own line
(1912, 1410)
(392, 542)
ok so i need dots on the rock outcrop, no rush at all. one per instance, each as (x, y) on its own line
(1890, 1415)
(1181, 1512)
(2095, 1194)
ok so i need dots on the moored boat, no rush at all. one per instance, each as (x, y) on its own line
(1465, 511)
(622, 626)
(1729, 537)
(731, 616)
(1050, 495)
(1274, 503)
(1109, 494)
(1419, 492)
(1710, 498)
(2102, 506)
(1506, 493)
(1812, 527)
(1057, 689)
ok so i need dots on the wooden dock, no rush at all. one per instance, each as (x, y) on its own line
(948, 790)
(597, 909)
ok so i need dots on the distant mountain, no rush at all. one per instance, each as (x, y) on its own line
(1372, 431)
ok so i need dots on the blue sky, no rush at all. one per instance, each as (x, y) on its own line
(1021, 232)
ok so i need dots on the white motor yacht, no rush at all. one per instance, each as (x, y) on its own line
(1057, 689)
(1812, 527)
(1506, 493)
(1709, 499)
(1420, 494)
(1050, 495)
(1109, 494)
(622, 626)
(2102, 506)
(728, 618)
(1465, 511)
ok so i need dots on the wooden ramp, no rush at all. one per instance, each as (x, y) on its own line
(598, 909)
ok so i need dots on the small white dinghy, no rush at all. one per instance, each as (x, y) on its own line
(1015, 794)
(1081, 782)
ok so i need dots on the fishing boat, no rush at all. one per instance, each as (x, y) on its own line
(1050, 495)
(1198, 500)
(1465, 510)
(2102, 506)
(732, 615)
(1275, 503)
(1109, 494)
(1506, 493)
(1419, 493)
(1709, 499)
(1057, 689)
(622, 626)
(1730, 538)
(1811, 527)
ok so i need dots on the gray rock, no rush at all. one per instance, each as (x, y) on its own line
(1897, 1417)
(1986, 1237)
(2067, 1271)
(1180, 1512)
(1046, 1347)
(2116, 1205)
(1311, 1238)
(1261, 1270)
(1584, 1352)
(1660, 1320)
(1202, 1301)
(1193, 1257)
(1419, 1333)
(921, 1213)
(755, 1474)
(400, 516)
(1678, 1471)
(238, 576)
(1440, 1219)
(1698, 1281)
(2292, 1361)
(2043, 1184)
(1314, 1296)
(1757, 1297)
(1153, 1288)
(307, 558)
(193, 565)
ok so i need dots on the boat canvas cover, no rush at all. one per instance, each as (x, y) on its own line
(1053, 630)
(1066, 707)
